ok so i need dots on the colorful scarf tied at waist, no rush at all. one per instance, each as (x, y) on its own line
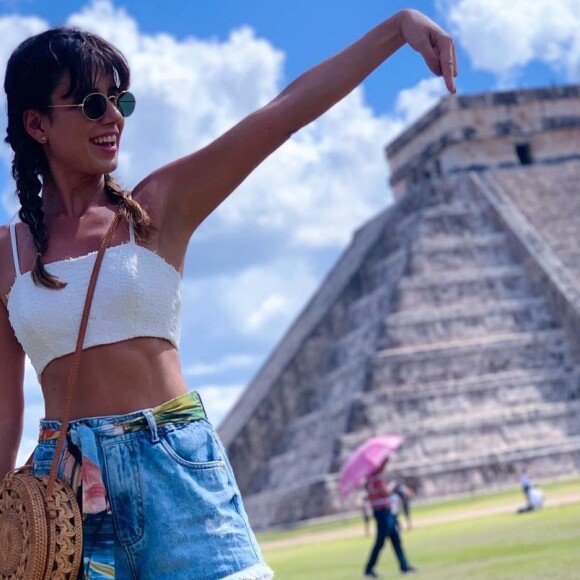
(80, 466)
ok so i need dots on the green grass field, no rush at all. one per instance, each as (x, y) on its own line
(540, 545)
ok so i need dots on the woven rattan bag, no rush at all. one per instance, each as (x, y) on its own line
(41, 528)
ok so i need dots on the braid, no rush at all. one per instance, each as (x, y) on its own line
(132, 211)
(27, 165)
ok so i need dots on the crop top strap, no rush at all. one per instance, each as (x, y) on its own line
(14, 248)
(131, 233)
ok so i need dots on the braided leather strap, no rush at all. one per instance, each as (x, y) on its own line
(72, 380)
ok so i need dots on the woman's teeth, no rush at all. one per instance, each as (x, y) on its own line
(108, 140)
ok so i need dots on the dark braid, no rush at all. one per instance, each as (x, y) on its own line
(26, 168)
(28, 165)
(131, 210)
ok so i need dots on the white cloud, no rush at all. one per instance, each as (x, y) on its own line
(226, 364)
(219, 399)
(414, 102)
(257, 303)
(271, 306)
(502, 37)
(13, 30)
(263, 300)
(329, 178)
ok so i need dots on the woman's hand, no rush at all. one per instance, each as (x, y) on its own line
(432, 42)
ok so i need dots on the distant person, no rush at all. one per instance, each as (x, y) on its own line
(401, 502)
(526, 484)
(534, 495)
(380, 498)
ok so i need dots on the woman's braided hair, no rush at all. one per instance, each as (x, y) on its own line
(32, 73)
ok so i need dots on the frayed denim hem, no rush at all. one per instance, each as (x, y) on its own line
(255, 572)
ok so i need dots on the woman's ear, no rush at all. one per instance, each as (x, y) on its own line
(35, 123)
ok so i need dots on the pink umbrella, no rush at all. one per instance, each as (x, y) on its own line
(367, 459)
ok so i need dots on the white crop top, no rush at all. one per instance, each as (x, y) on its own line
(137, 294)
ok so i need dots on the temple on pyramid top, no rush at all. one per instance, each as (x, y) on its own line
(488, 131)
(452, 318)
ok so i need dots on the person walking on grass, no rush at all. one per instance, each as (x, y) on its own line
(380, 497)
(159, 498)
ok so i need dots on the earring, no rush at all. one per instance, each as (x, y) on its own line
(43, 138)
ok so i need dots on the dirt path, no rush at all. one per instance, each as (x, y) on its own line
(326, 536)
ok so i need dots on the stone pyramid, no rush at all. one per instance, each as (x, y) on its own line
(453, 318)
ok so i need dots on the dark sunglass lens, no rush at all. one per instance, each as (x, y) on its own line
(95, 106)
(126, 103)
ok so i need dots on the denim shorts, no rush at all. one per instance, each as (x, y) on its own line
(158, 496)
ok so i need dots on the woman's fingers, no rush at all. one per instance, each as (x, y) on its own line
(449, 67)
(443, 47)
(434, 45)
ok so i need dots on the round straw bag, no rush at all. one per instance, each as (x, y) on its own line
(41, 526)
(34, 545)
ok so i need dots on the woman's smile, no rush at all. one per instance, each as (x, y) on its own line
(106, 142)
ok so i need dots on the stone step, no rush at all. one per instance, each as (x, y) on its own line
(456, 207)
(460, 436)
(450, 243)
(488, 469)
(504, 390)
(453, 322)
(453, 360)
(473, 286)
(507, 388)
(459, 253)
(491, 417)
(456, 424)
(449, 190)
(457, 219)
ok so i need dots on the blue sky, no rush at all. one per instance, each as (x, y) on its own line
(199, 66)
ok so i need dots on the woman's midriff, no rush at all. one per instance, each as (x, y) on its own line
(114, 379)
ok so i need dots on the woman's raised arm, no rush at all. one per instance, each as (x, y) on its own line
(190, 188)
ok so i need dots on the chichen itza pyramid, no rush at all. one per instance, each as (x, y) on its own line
(453, 317)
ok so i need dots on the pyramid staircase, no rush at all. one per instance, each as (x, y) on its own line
(471, 365)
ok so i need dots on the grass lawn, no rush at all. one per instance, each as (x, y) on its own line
(542, 545)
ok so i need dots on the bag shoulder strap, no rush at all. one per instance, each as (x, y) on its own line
(72, 380)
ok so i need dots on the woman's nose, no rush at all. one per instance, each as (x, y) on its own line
(112, 114)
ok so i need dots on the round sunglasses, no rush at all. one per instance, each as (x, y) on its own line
(94, 105)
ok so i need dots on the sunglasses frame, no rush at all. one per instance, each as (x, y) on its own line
(114, 99)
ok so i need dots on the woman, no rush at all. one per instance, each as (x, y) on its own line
(159, 497)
